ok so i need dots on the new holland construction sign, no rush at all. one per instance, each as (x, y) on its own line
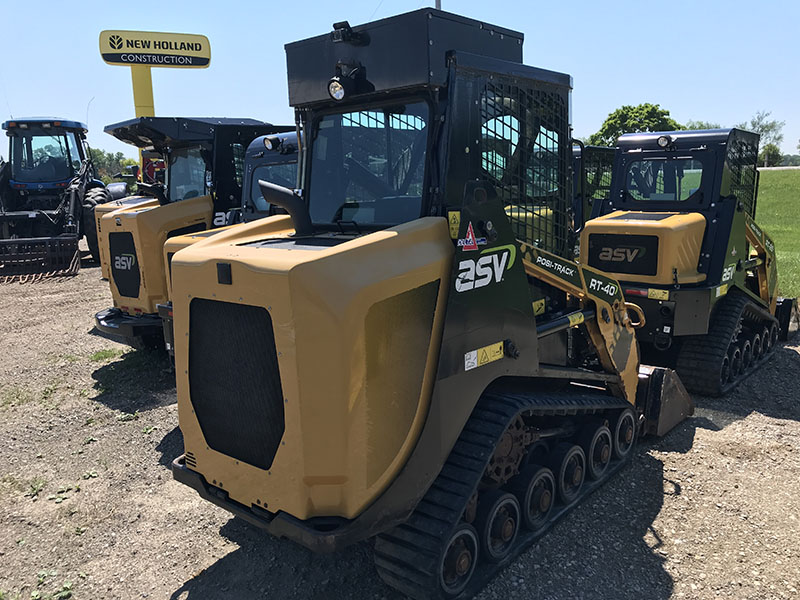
(153, 49)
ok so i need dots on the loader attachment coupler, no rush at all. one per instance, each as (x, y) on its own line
(664, 399)
(31, 259)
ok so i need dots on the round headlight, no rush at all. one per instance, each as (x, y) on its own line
(272, 142)
(336, 89)
(663, 141)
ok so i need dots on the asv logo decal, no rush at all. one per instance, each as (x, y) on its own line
(620, 254)
(221, 218)
(727, 272)
(124, 262)
(487, 269)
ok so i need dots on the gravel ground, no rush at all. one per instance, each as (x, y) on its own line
(88, 507)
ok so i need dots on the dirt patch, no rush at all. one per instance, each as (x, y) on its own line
(88, 507)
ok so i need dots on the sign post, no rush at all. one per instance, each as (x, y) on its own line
(142, 50)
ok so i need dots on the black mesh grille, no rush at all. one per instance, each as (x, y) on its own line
(741, 162)
(234, 381)
(526, 153)
(124, 263)
(598, 164)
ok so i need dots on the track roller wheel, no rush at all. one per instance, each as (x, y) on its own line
(747, 354)
(597, 446)
(758, 349)
(569, 467)
(766, 342)
(736, 362)
(535, 490)
(458, 561)
(773, 336)
(624, 433)
(497, 523)
(725, 371)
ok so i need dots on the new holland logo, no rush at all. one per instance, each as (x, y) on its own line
(487, 269)
(115, 41)
(124, 262)
(621, 254)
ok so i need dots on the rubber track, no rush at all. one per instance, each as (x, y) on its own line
(700, 358)
(407, 556)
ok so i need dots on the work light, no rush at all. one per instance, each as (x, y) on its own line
(336, 89)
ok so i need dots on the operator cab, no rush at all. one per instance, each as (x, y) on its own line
(44, 155)
(270, 158)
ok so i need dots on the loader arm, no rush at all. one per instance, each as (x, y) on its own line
(611, 329)
(763, 262)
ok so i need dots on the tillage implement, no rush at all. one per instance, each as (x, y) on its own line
(48, 193)
(410, 354)
(679, 232)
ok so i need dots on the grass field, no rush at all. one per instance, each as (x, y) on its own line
(778, 212)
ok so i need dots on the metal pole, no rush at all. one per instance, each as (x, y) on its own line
(438, 4)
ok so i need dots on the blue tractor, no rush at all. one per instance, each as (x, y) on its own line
(48, 191)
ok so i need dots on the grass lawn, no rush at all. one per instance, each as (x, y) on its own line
(778, 212)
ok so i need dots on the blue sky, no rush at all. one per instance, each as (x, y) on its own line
(712, 60)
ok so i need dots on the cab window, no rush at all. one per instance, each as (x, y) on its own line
(663, 179)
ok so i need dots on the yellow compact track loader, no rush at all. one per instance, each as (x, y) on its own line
(678, 230)
(204, 178)
(410, 354)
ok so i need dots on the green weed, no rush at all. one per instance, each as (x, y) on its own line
(105, 354)
(15, 396)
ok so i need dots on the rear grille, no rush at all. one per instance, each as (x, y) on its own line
(234, 381)
(124, 264)
(616, 253)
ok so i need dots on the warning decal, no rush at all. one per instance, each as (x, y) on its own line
(483, 356)
(454, 221)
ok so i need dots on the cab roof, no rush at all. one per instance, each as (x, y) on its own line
(684, 139)
(159, 132)
(40, 121)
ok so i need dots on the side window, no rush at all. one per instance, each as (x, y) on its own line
(284, 174)
(74, 153)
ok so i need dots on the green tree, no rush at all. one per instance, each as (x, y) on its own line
(633, 119)
(770, 156)
(107, 164)
(770, 130)
(701, 125)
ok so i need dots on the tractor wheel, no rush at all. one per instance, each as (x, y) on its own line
(93, 197)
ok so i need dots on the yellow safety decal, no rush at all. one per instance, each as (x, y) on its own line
(483, 356)
(454, 219)
(575, 319)
(655, 294)
(722, 290)
(539, 306)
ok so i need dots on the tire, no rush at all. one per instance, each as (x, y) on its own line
(93, 197)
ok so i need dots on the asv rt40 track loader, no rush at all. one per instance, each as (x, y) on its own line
(398, 356)
(205, 167)
(679, 232)
(270, 158)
